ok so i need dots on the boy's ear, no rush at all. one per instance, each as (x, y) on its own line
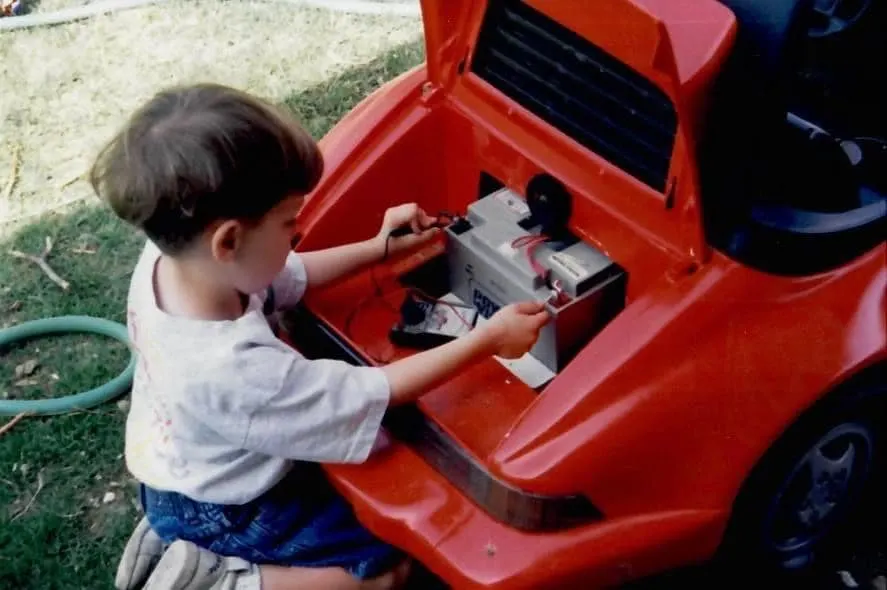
(226, 240)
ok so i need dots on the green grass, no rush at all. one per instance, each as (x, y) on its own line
(318, 108)
(68, 537)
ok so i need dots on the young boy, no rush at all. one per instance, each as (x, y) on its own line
(228, 424)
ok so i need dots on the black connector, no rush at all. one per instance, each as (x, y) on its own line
(400, 232)
(428, 323)
(406, 230)
(413, 312)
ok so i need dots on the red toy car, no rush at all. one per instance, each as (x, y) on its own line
(724, 389)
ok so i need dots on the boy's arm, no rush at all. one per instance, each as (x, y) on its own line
(415, 375)
(325, 266)
(510, 333)
(312, 269)
(330, 411)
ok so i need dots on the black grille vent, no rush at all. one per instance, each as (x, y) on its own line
(578, 88)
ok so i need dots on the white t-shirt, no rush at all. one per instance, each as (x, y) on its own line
(221, 408)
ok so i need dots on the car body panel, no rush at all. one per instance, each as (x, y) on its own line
(661, 417)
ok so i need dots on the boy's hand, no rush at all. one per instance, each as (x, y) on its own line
(510, 333)
(514, 329)
(409, 215)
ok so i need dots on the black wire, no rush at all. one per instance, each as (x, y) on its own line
(377, 288)
(379, 293)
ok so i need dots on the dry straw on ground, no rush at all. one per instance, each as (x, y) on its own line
(65, 89)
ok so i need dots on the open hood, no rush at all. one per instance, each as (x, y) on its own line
(669, 42)
(658, 58)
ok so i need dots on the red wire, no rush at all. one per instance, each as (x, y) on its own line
(380, 294)
(431, 299)
(537, 268)
(527, 239)
(531, 242)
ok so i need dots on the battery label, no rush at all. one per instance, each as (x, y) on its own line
(570, 265)
(484, 305)
(449, 320)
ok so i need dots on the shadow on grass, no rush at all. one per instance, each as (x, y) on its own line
(68, 537)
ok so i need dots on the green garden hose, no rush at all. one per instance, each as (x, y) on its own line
(78, 401)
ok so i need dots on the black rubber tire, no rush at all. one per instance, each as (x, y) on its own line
(748, 551)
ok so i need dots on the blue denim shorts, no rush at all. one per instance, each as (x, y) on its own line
(302, 522)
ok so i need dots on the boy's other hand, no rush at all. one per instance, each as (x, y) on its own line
(515, 328)
(407, 215)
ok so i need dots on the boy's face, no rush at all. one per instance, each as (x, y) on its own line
(254, 254)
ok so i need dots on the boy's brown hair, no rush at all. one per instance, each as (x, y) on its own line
(196, 154)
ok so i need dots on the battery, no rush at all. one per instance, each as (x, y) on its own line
(495, 255)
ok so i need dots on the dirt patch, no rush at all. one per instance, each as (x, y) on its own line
(101, 519)
(107, 503)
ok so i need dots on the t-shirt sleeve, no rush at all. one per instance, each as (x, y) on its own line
(322, 411)
(289, 286)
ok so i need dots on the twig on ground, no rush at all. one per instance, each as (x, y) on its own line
(41, 262)
(14, 172)
(8, 426)
(67, 183)
(31, 501)
(11, 484)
